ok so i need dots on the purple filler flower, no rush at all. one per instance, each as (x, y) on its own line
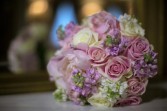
(145, 68)
(84, 84)
(91, 76)
(114, 50)
(125, 41)
(90, 83)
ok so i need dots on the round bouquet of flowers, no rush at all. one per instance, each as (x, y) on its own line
(104, 62)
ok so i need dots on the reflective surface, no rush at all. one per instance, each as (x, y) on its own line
(155, 99)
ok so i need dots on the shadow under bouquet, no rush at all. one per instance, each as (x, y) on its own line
(103, 62)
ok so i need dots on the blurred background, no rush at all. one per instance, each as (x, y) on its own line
(28, 35)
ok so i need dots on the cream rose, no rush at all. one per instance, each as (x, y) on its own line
(86, 36)
(100, 101)
(130, 26)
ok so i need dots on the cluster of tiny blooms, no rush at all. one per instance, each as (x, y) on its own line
(103, 62)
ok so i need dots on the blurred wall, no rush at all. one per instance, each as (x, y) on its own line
(11, 19)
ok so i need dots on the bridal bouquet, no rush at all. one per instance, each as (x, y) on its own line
(103, 62)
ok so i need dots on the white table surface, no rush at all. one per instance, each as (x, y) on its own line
(155, 99)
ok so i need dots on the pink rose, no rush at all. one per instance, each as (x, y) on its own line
(137, 48)
(137, 86)
(60, 67)
(103, 22)
(116, 67)
(98, 56)
(132, 100)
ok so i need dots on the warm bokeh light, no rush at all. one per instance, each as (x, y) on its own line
(91, 8)
(38, 7)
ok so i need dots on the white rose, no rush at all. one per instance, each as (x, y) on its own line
(85, 36)
(130, 26)
(100, 101)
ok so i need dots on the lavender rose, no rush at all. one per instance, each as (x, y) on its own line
(116, 67)
(71, 29)
(137, 48)
(69, 32)
(103, 22)
(132, 100)
(60, 66)
(98, 56)
(137, 86)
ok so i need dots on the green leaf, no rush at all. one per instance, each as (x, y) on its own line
(108, 40)
(60, 32)
(78, 80)
(59, 95)
(147, 58)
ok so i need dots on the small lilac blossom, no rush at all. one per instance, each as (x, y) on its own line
(84, 84)
(146, 67)
(113, 51)
(142, 68)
